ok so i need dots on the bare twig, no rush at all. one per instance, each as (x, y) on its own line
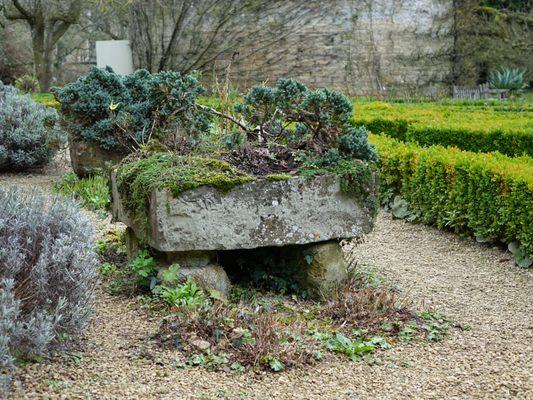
(228, 117)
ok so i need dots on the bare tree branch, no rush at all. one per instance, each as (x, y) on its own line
(196, 37)
(24, 13)
(48, 21)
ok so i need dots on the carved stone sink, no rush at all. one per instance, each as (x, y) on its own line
(87, 158)
(255, 214)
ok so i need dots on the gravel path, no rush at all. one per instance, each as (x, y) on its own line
(475, 285)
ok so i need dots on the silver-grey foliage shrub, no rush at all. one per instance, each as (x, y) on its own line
(47, 274)
(27, 130)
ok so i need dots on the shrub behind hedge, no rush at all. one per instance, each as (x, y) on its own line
(487, 195)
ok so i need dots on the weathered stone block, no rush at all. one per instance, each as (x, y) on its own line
(132, 243)
(322, 268)
(256, 214)
(191, 259)
(210, 276)
(87, 158)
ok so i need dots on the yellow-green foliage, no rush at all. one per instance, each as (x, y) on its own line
(474, 126)
(92, 192)
(137, 179)
(487, 195)
(278, 177)
(45, 98)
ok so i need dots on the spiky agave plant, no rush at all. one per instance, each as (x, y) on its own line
(507, 79)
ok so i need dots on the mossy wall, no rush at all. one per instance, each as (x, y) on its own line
(491, 35)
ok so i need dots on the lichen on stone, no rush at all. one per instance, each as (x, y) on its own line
(358, 179)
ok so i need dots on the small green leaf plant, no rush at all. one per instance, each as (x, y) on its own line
(144, 268)
(187, 294)
(507, 79)
(355, 348)
(520, 256)
(435, 325)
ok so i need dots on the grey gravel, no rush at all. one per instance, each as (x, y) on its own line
(477, 286)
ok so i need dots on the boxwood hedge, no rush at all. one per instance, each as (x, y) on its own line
(489, 196)
(507, 129)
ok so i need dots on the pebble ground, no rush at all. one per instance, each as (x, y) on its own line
(475, 285)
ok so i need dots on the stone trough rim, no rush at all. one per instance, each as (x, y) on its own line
(364, 222)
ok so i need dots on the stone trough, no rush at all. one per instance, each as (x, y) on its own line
(308, 215)
(87, 158)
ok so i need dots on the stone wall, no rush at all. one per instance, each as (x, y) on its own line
(363, 47)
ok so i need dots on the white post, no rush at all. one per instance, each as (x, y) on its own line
(115, 54)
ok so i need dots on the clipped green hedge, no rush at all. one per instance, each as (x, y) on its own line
(396, 128)
(489, 196)
(506, 127)
(508, 143)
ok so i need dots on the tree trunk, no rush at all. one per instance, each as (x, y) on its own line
(38, 44)
(48, 23)
(46, 77)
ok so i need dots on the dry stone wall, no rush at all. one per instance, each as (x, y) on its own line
(363, 47)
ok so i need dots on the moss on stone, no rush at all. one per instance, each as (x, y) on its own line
(138, 179)
(278, 177)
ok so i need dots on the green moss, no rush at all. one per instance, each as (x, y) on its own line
(138, 179)
(278, 177)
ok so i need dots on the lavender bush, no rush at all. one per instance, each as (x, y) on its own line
(47, 273)
(27, 131)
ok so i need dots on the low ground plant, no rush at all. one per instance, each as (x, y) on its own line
(256, 329)
(92, 192)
